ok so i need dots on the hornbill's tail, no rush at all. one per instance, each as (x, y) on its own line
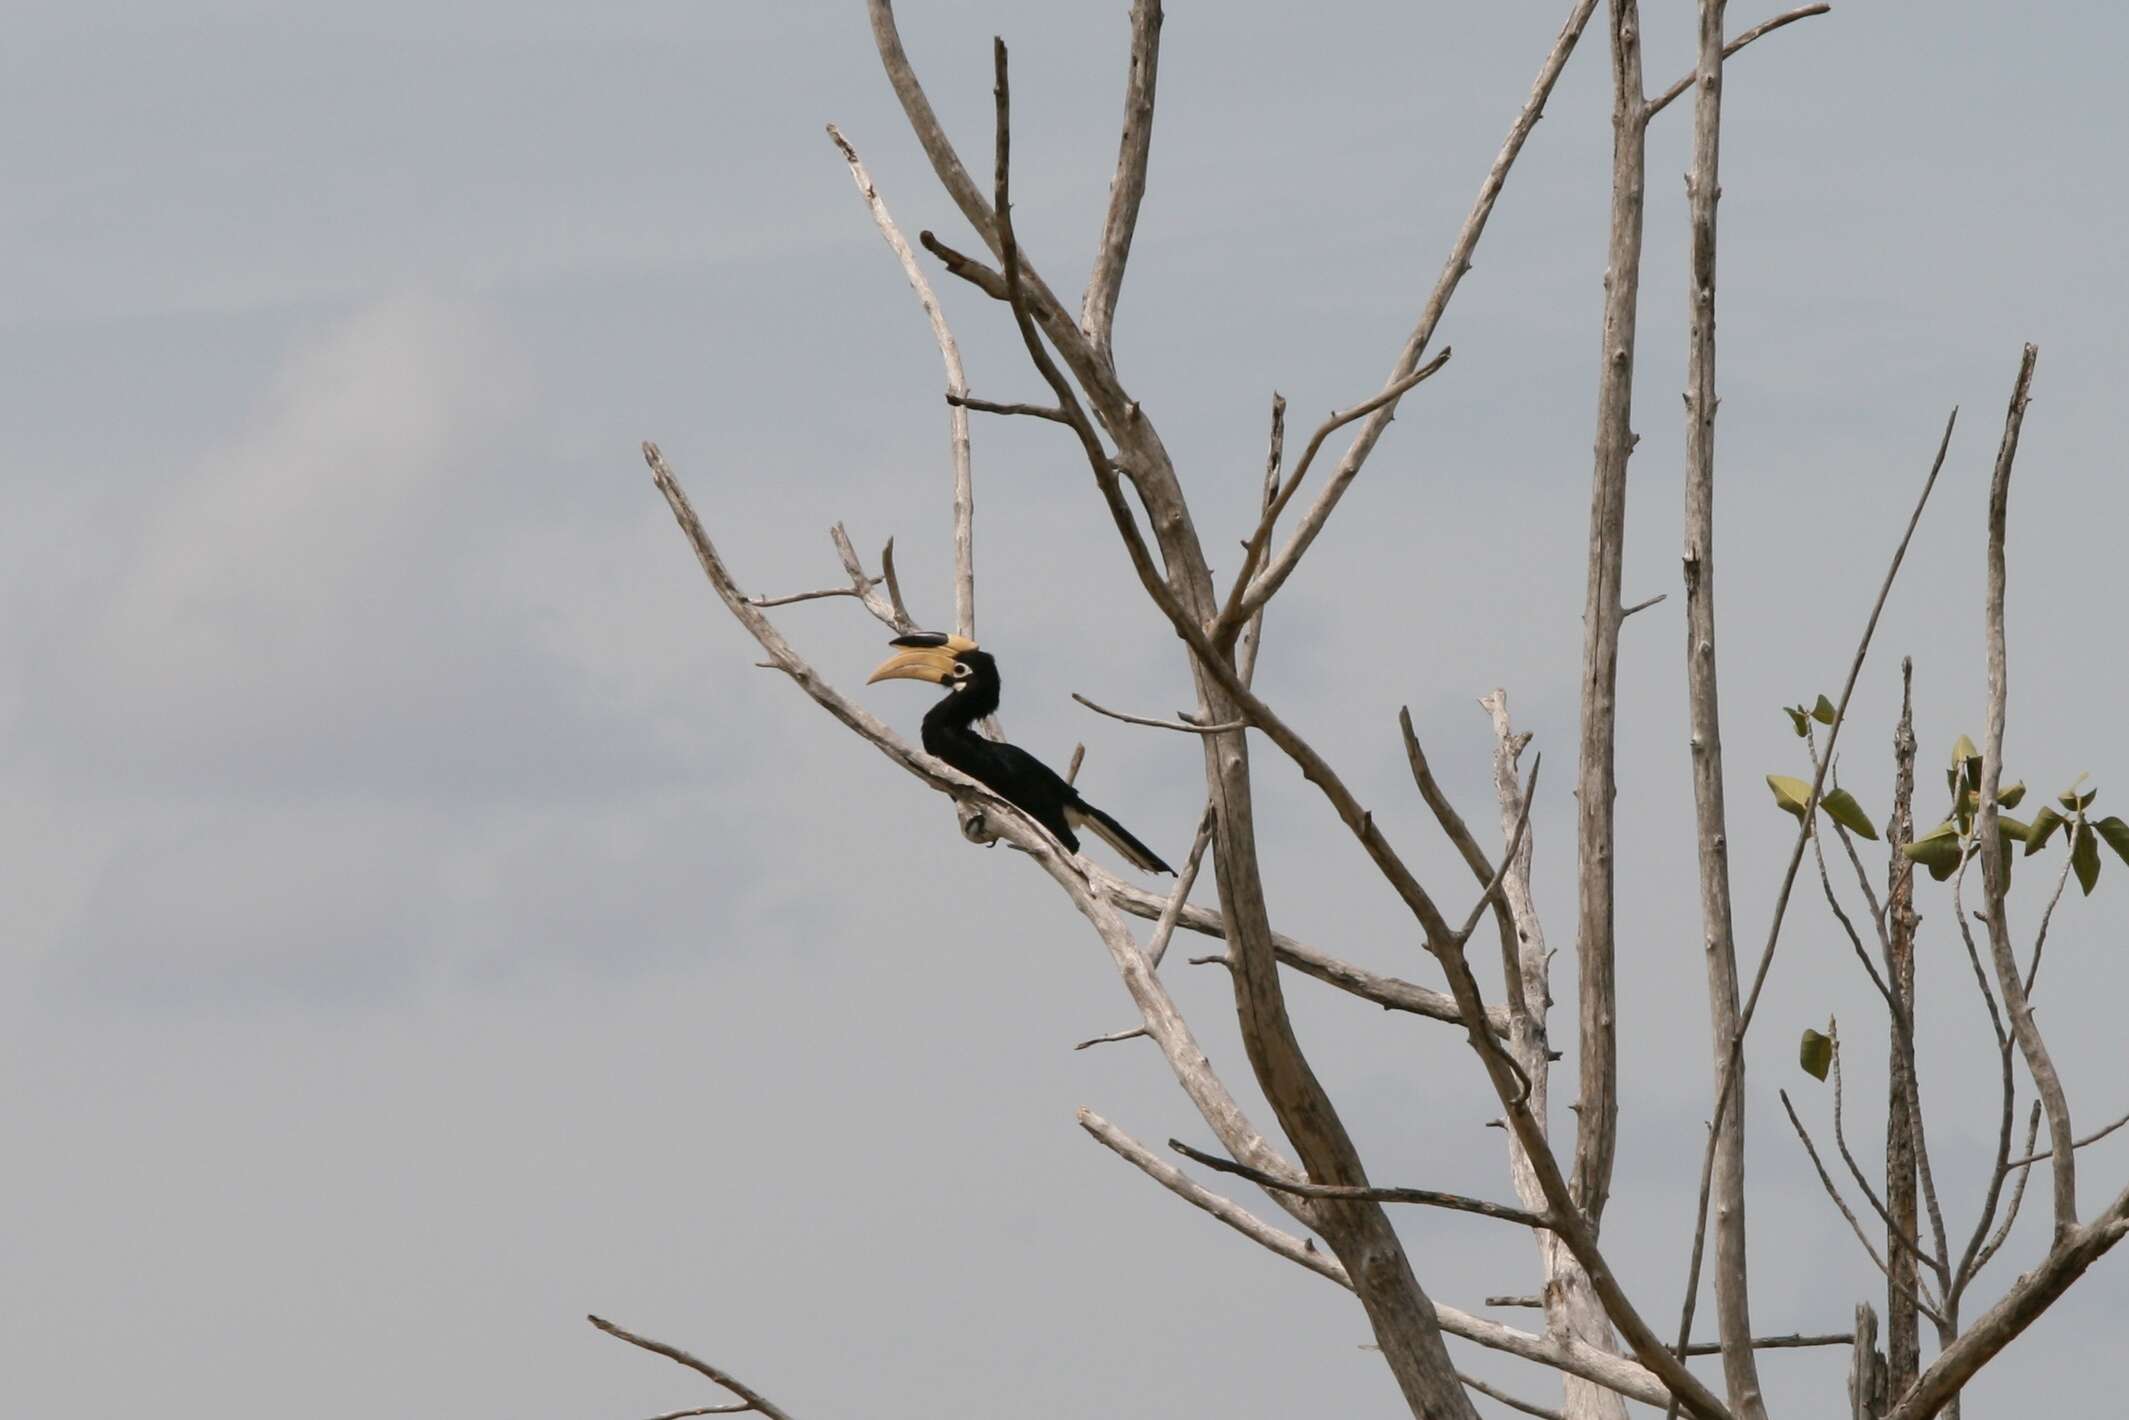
(1085, 815)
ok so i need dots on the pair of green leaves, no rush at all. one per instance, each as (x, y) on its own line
(1801, 716)
(1793, 795)
(2085, 837)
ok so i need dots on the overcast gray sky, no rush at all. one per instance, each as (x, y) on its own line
(421, 926)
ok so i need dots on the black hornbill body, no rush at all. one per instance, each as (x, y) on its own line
(972, 686)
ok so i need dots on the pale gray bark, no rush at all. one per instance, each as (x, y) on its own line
(2016, 1005)
(1596, 786)
(1733, 1311)
(956, 390)
(749, 1398)
(1572, 1307)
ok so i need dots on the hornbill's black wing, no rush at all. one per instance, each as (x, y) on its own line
(1032, 785)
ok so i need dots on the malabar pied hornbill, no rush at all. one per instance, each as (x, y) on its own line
(972, 685)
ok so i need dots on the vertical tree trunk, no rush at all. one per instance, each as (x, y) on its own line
(1903, 1341)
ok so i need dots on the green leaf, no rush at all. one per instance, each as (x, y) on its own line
(1823, 711)
(2043, 828)
(1790, 794)
(1966, 757)
(2009, 798)
(1841, 807)
(2013, 830)
(1937, 850)
(2117, 835)
(2084, 858)
(1799, 719)
(2076, 802)
(1815, 1054)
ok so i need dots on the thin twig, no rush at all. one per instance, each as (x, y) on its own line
(1791, 1342)
(1353, 1193)
(2094, 1137)
(1723, 1090)
(2018, 1198)
(1111, 1038)
(1235, 1216)
(796, 597)
(1186, 726)
(754, 1399)
(1508, 1400)
(1164, 926)
(1492, 895)
(1233, 612)
(1574, 1357)
(1453, 269)
(1128, 188)
(985, 406)
(2024, 1029)
(1928, 1303)
(956, 384)
(1664, 99)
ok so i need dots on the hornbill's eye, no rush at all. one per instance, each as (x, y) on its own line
(961, 671)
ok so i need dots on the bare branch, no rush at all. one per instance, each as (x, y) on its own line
(1389, 992)
(2040, 938)
(1237, 608)
(1514, 1301)
(968, 268)
(1625, 612)
(985, 406)
(1467, 847)
(1186, 726)
(884, 609)
(1133, 1033)
(1079, 755)
(1128, 188)
(1904, 1142)
(1492, 894)
(1427, 1197)
(796, 597)
(1664, 99)
(1235, 1216)
(1252, 637)
(1508, 1400)
(2094, 1137)
(1928, 1306)
(2018, 1198)
(894, 583)
(754, 1399)
(1459, 262)
(1791, 1342)
(1094, 900)
(956, 384)
(1908, 1243)
(1596, 782)
(2024, 1029)
(1723, 1091)
(2032, 1294)
(1164, 925)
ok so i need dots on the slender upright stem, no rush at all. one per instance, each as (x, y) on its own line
(1903, 1342)
(2016, 1004)
(1733, 1312)
(1598, 1104)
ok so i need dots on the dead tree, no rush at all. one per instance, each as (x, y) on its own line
(1600, 1340)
